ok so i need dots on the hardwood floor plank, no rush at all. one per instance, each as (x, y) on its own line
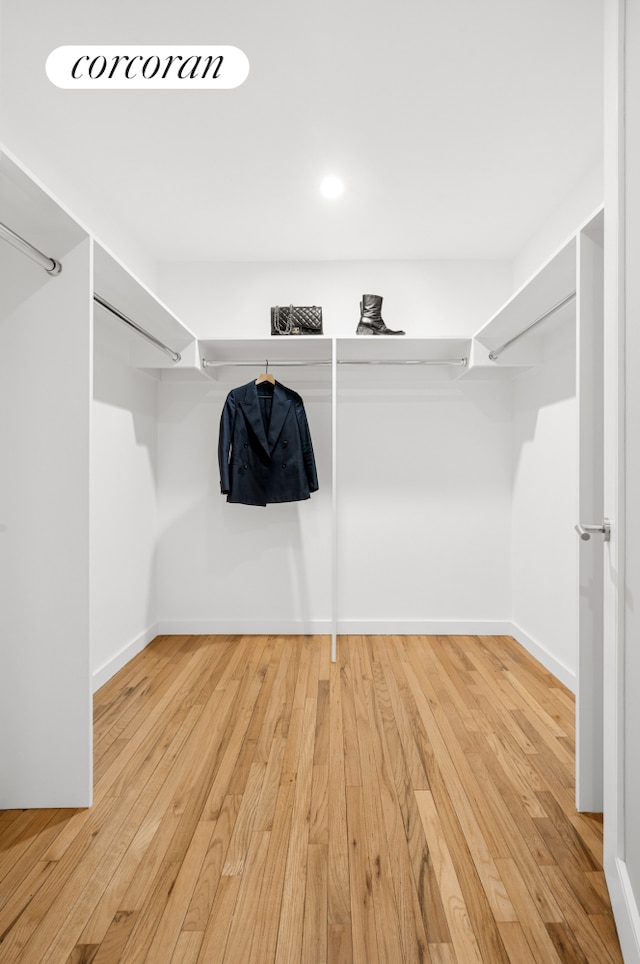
(244, 827)
(351, 759)
(318, 818)
(166, 935)
(293, 898)
(587, 936)
(83, 954)
(223, 771)
(116, 937)
(411, 803)
(405, 729)
(150, 915)
(588, 825)
(377, 845)
(363, 925)
(270, 785)
(429, 897)
(462, 935)
(16, 902)
(525, 843)
(461, 791)
(23, 840)
(272, 717)
(240, 936)
(534, 927)
(265, 672)
(205, 888)
(513, 938)
(187, 948)
(606, 928)
(295, 715)
(269, 903)
(339, 910)
(339, 946)
(406, 919)
(442, 954)
(214, 941)
(566, 945)
(314, 936)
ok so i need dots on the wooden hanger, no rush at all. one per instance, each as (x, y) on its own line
(265, 376)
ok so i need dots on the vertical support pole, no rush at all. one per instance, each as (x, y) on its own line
(334, 497)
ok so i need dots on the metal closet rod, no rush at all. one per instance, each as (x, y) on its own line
(461, 362)
(50, 265)
(493, 355)
(340, 361)
(174, 355)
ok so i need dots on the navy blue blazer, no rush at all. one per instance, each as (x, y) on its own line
(264, 450)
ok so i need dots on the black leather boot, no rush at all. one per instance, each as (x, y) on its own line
(371, 322)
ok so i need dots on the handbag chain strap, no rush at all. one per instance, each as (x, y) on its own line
(287, 327)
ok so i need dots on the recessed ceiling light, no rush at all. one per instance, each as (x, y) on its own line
(331, 187)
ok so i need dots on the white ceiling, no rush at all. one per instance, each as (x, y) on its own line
(457, 125)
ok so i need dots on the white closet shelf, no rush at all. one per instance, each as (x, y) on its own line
(114, 283)
(29, 211)
(552, 284)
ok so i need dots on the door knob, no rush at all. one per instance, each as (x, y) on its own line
(586, 530)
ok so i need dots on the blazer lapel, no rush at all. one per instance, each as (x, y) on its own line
(281, 406)
(253, 415)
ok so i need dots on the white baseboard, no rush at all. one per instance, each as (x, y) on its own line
(559, 670)
(110, 668)
(345, 627)
(625, 910)
(423, 627)
(245, 627)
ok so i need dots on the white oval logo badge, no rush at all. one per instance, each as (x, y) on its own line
(147, 67)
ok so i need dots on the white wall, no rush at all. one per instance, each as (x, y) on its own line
(45, 388)
(423, 503)
(123, 501)
(579, 204)
(425, 298)
(544, 545)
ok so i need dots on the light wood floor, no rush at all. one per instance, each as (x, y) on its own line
(254, 803)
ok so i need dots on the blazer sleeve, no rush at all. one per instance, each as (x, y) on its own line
(307, 447)
(227, 421)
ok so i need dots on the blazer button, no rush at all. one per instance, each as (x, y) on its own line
(284, 444)
(284, 465)
(245, 466)
(246, 445)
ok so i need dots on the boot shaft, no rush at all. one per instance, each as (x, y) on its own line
(371, 307)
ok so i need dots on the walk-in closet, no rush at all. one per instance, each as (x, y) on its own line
(475, 478)
(442, 471)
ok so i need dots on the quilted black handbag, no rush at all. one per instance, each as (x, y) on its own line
(296, 320)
